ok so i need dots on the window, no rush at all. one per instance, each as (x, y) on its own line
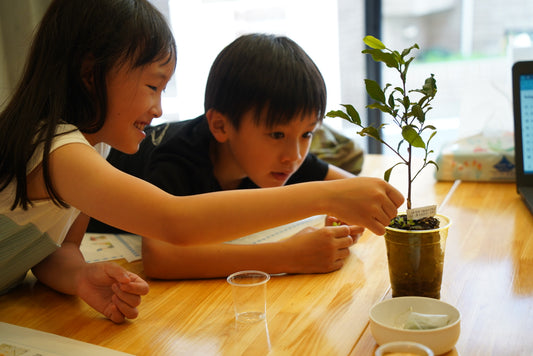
(469, 46)
(202, 28)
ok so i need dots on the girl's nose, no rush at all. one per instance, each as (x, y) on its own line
(157, 109)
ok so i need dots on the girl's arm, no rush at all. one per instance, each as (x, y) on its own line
(88, 182)
(309, 251)
(106, 287)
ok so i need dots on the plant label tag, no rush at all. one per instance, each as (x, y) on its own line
(420, 213)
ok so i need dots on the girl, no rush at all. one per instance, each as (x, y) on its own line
(95, 74)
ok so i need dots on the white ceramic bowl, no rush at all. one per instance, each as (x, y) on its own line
(404, 348)
(385, 323)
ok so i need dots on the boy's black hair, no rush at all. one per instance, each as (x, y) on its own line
(269, 74)
(108, 33)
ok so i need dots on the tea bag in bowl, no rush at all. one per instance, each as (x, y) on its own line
(420, 321)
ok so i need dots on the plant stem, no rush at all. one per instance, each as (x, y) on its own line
(409, 180)
(405, 118)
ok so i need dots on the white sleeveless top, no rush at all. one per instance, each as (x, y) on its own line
(28, 236)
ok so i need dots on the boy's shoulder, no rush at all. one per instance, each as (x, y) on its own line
(157, 135)
(167, 135)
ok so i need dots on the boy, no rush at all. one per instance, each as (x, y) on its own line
(264, 99)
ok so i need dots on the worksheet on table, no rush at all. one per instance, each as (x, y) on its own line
(19, 341)
(280, 232)
(97, 247)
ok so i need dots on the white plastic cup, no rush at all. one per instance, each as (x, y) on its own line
(249, 295)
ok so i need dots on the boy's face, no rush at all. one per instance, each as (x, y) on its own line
(269, 156)
(134, 99)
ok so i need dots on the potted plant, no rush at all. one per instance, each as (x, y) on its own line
(416, 239)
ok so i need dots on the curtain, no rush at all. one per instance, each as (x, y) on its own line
(18, 20)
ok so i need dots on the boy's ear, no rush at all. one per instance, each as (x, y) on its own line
(218, 124)
(87, 72)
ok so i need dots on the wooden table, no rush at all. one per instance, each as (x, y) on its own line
(488, 276)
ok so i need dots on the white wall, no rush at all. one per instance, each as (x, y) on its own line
(17, 22)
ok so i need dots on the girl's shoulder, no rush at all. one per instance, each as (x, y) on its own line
(65, 134)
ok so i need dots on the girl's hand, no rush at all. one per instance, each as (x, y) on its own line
(321, 250)
(111, 290)
(365, 201)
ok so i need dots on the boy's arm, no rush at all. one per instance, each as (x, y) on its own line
(166, 261)
(309, 251)
(335, 172)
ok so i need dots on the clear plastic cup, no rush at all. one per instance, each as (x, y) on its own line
(249, 295)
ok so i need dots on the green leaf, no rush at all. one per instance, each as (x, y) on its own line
(398, 57)
(434, 163)
(430, 86)
(373, 42)
(400, 101)
(391, 100)
(399, 90)
(406, 51)
(390, 60)
(356, 119)
(338, 113)
(406, 102)
(432, 135)
(385, 57)
(375, 92)
(422, 102)
(418, 113)
(386, 176)
(399, 145)
(407, 65)
(380, 107)
(372, 132)
(411, 136)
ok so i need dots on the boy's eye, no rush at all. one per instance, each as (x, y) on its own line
(308, 134)
(277, 135)
(152, 87)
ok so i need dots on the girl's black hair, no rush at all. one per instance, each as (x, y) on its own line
(269, 74)
(107, 33)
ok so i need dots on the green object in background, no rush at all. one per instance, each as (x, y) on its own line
(337, 149)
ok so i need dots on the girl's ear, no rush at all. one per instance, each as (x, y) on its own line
(87, 72)
(218, 125)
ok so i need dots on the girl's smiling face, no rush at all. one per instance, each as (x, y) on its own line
(134, 99)
(267, 156)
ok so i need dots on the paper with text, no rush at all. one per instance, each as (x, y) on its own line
(97, 247)
(280, 232)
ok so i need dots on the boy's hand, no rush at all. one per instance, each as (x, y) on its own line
(321, 250)
(111, 290)
(355, 231)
